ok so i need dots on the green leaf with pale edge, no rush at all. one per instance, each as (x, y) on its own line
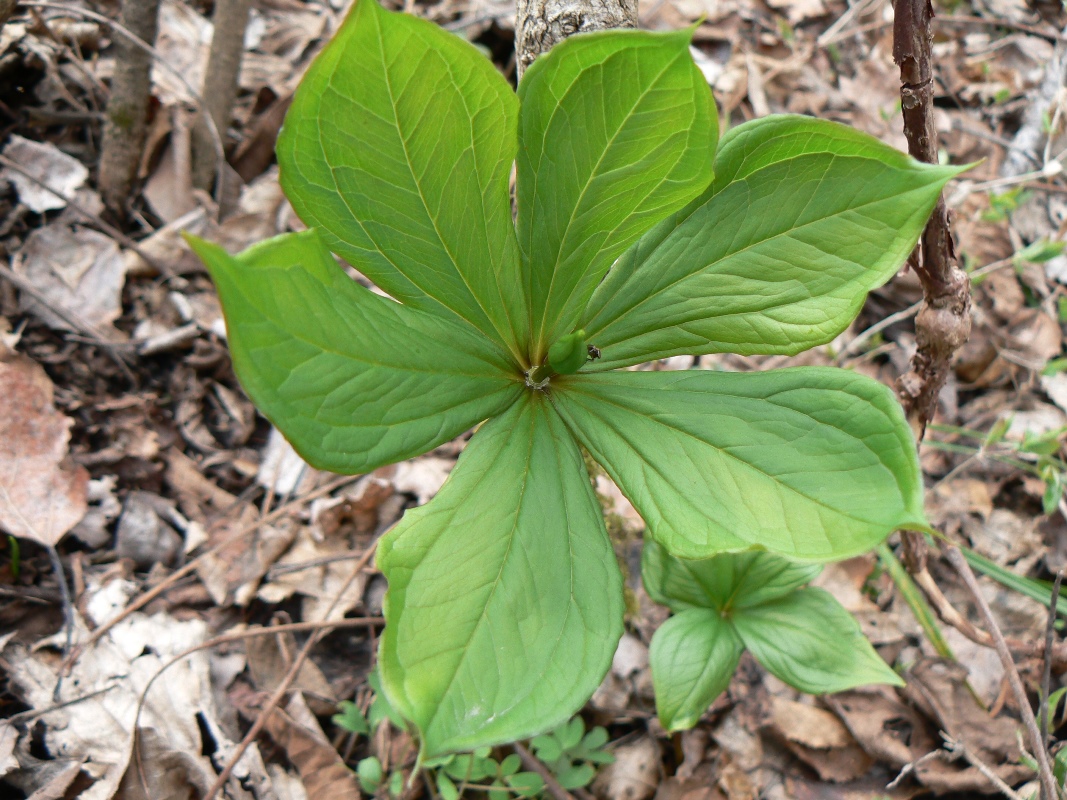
(726, 582)
(617, 129)
(505, 601)
(809, 641)
(399, 144)
(354, 380)
(693, 657)
(814, 463)
(804, 217)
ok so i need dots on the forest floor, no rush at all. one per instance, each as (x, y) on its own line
(116, 361)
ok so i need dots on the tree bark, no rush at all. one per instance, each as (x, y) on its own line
(541, 24)
(944, 322)
(220, 85)
(127, 105)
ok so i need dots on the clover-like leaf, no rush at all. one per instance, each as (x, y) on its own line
(724, 583)
(505, 601)
(812, 463)
(399, 145)
(693, 657)
(352, 379)
(804, 217)
(809, 641)
(617, 130)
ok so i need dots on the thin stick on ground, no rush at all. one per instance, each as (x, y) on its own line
(191, 565)
(325, 627)
(283, 687)
(534, 765)
(1036, 737)
(959, 750)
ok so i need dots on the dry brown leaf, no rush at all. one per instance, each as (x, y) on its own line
(269, 661)
(819, 739)
(40, 498)
(635, 773)
(48, 164)
(77, 270)
(321, 768)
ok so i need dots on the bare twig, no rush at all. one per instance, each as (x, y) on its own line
(324, 628)
(958, 749)
(192, 564)
(1037, 739)
(283, 687)
(125, 121)
(534, 765)
(944, 322)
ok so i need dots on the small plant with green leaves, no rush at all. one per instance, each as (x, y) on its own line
(635, 236)
(572, 754)
(748, 601)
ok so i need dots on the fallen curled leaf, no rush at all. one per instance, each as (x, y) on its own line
(40, 497)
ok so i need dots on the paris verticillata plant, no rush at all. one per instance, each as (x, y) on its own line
(634, 239)
(748, 601)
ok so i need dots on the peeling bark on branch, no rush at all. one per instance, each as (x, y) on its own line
(944, 323)
(541, 24)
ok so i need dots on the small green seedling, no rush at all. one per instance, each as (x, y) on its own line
(572, 754)
(635, 236)
(748, 601)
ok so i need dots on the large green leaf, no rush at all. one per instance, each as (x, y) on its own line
(617, 129)
(693, 656)
(399, 144)
(725, 582)
(505, 601)
(812, 463)
(809, 641)
(354, 380)
(803, 219)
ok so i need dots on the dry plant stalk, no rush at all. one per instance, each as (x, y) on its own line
(944, 322)
(541, 24)
(220, 85)
(127, 106)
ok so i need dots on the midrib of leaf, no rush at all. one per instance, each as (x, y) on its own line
(581, 196)
(787, 234)
(411, 167)
(773, 479)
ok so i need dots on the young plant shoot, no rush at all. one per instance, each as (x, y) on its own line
(635, 240)
(748, 601)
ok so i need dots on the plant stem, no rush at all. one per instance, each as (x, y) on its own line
(944, 322)
(220, 86)
(127, 106)
(1037, 740)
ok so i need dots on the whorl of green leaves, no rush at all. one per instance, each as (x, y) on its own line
(505, 601)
